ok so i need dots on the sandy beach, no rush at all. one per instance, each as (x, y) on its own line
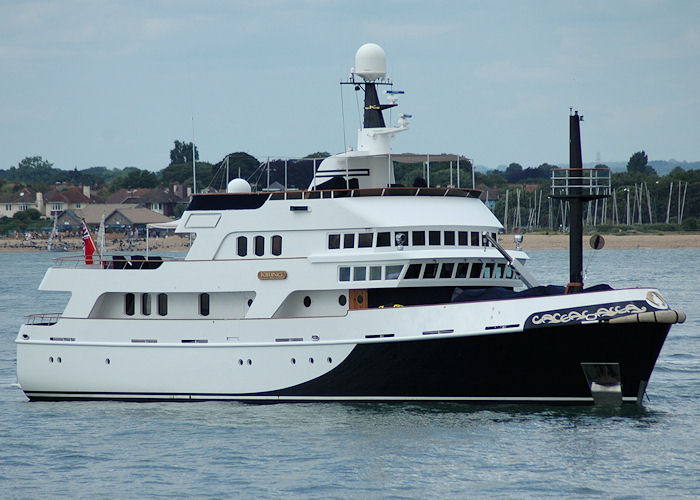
(532, 241)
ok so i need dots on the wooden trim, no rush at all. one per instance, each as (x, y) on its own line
(358, 299)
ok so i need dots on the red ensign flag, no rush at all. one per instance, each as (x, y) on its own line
(88, 245)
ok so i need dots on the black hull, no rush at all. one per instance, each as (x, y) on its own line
(539, 365)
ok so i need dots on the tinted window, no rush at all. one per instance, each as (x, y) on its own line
(383, 239)
(449, 237)
(446, 270)
(413, 272)
(349, 240)
(365, 240)
(344, 274)
(475, 271)
(463, 238)
(204, 304)
(430, 271)
(242, 244)
(418, 238)
(434, 237)
(393, 272)
(333, 241)
(375, 273)
(129, 304)
(461, 270)
(162, 304)
(259, 246)
(360, 273)
(475, 239)
(145, 304)
(276, 245)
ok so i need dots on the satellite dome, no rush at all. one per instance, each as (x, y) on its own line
(370, 62)
(238, 185)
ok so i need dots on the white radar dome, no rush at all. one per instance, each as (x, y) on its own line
(370, 62)
(238, 185)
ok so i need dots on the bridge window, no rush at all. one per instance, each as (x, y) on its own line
(413, 272)
(360, 273)
(463, 238)
(375, 273)
(333, 241)
(344, 274)
(349, 240)
(475, 239)
(393, 272)
(418, 238)
(446, 270)
(384, 239)
(365, 240)
(449, 237)
(461, 270)
(475, 270)
(434, 237)
(430, 271)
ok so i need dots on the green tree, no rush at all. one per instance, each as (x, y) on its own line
(182, 153)
(638, 163)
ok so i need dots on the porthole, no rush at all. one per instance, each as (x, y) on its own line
(294, 361)
(276, 245)
(342, 300)
(250, 362)
(311, 360)
(250, 302)
(329, 359)
(240, 362)
(360, 299)
(307, 301)
(50, 359)
(58, 359)
(107, 361)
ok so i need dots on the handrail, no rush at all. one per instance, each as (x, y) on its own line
(42, 319)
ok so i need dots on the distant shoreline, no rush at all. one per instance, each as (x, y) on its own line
(532, 241)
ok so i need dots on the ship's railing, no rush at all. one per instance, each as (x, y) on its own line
(388, 191)
(42, 319)
(114, 261)
(589, 183)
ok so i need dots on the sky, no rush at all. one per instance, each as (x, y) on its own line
(113, 83)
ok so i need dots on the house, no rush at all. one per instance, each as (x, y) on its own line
(24, 199)
(160, 200)
(116, 216)
(60, 199)
(489, 196)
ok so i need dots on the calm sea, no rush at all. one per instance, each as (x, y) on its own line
(126, 450)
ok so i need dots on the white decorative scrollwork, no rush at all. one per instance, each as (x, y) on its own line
(585, 315)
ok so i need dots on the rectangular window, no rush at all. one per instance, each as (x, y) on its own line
(349, 240)
(333, 241)
(446, 270)
(475, 270)
(375, 273)
(359, 273)
(344, 274)
(463, 237)
(129, 304)
(204, 304)
(418, 238)
(242, 246)
(434, 237)
(449, 237)
(461, 270)
(499, 271)
(475, 239)
(393, 272)
(145, 304)
(488, 271)
(162, 304)
(430, 271)
(413, 272)
(384, 239)
(259, 246)
(276, 245)
(365, 240)
(509, 272)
